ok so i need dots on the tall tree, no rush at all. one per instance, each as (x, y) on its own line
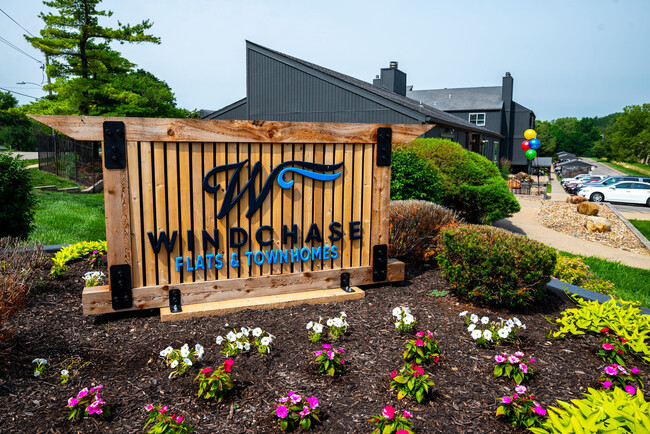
(15, 127)
(548, 143)
(77, 47)
(629, 136)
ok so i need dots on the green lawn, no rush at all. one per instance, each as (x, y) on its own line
(623, 168)
(642, 226)
(63, 218)
(631, 283)
(41, 178)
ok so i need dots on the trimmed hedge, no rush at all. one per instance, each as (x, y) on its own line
(414, 178)
(493, 266)
(471, 184)
(17, 198)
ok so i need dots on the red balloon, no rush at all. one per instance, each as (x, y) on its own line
(524, 145)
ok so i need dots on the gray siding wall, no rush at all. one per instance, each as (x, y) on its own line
(279, 92)
(521, 124)
(235, 114)
(492, 118)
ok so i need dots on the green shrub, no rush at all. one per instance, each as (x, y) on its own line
(17, 198)
(413, 178)
(472, 185)
(415, 226)
(621, 317)
(73, 252)
(493, 266)
(614, 411)
(574, 271)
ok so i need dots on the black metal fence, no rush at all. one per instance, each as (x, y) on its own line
(68, 158)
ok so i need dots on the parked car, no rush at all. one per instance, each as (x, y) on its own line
(572, 188)
(626, 191)
(574, 179)
(614, 179)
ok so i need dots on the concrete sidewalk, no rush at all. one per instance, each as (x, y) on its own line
(525, 223)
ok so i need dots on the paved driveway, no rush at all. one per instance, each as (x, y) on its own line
(602, 169)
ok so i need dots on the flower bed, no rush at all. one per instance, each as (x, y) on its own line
(122, 353)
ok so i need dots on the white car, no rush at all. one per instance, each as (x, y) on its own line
(577, 178)
(625, 191)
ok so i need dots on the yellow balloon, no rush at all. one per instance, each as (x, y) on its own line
(530, 134)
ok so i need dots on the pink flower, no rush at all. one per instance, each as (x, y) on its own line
(515, 396)
(283, 399)
(96, 388)
(393, 374)
(610, 370)
(330, 355)
(295, 398)
(318, 353)
(72, 402)
(342, 362)
(163, 409)
(206, 370)
(506, 400)
(313, 402)
(513, 359)
(327, 346)
(523, 368)
(305, 411)
(499, 359)
(532, 360)
(341, 350)
(179, 419)
(227, 364)
(281, 411)
(519, 354)
(608, 346)
(630, 389)
(520, 389)
(401, 431)
(419, 342)
(539, 410)
(634, 371)
(607, 384)
(419, 334)
(83, 392)
(407, 414)
(605, 330)
(388, 412)
(418, 371)
(149, 407)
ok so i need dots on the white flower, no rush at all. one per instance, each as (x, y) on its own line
(265, 341)
(64, 372)
(343, 314)
(330, 322)
(199, 350)
(231, 336)
(463, 313)
(338, 322)
(485, 320)
(239, 335)
(37, 373)
(318, 328)
(310, 324)
(173, 364)
(487, 334)
(523, 326)
(397, 324)
(503, 333)
(345, 323)
(471, 328)
(239, 345)
(247, 346)
(187, 361)
(397, 312)
(406, 310)
(476, 334)
(257, 331)
(510, 323)
(517, 322)
(40, 361)
(408, 319)
(185, 350)
(473, 318)
(219, 340)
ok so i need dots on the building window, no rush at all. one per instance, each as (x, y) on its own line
(477, 118)
(496, 151)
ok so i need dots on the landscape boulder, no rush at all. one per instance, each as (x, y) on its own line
(598, 224)
(588, 208)
(575, 199)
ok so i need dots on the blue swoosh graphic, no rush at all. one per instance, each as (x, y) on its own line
(313, 175)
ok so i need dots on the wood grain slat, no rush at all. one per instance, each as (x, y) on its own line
(137, 261)
(278, 207)
(298, 154)
(357, 203)
(306, 185)
(148, 215)
(184, 158)
(367, 206)
(209, 215)
(222, 180)
(266, 150)
(159, 185)
(173, 185)
(318, 199)
(339, 201)
(328, 195)
(348, 183)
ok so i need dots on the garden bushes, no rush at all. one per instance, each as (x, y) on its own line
(16, 198)
(415, 226)
(471, 184)
(492, 266)
(413, 178)
(576, 272)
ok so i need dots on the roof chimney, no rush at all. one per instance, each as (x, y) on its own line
(392, 79)
(393, 64)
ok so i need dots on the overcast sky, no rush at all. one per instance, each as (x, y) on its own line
(568, 58)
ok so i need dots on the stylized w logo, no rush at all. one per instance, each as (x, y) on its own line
(254, 201)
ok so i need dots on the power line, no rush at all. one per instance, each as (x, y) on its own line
(17, 93)
(18, 49)
(30, 33)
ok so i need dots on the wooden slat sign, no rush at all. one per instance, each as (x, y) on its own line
(224, 210)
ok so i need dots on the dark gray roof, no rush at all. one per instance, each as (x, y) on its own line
(575, 163)
(464, 98)
(542, 162)
(212, 114)
(432, 115)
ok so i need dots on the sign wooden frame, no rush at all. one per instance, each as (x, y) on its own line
(167, 185)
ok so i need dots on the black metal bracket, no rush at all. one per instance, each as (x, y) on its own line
(379, 263)
(120, 281)
(345, 282)
(384, 146)
(175, 300)
(114, 145)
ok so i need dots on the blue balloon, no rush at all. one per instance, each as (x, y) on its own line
(533, 143)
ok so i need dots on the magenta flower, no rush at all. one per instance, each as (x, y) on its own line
(515, 396)
(281, 411)
(407, 414)
(313, 402)
(607, 384)
(520, 389)
(419, 334)
(513, 359)
(634, 371)
(163, 409)
(179, 419)
(519, 354)
(630, 389)
(330, 355)
(283, 399)
(523, 368)
(539, 410)
(610, 370)
(341, 350)
(429, 334)
(305, 411)
(342, 362)
(72, 402)
(532, 360)
(318, 353)
(419, 343)
(499, 359)
(401, 431)
(608, 346)
(506, 400)
(149, 407)
(83, 392)
(327, 346)
(295, 398)
(393, 374)
(388, 412)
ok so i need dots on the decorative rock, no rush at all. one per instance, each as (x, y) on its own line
(575, 199)
(598, 224)
(588, 208)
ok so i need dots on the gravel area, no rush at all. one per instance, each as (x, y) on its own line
(564, 217)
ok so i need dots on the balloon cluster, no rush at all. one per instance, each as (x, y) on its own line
(531, 144)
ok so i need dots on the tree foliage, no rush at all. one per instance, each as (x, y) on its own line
(577, 136)
(628, 137)
(15, 127)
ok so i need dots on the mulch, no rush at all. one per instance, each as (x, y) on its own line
(121, 352)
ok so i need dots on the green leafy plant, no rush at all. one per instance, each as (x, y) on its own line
(242, 340)
(391, 422)
(315, 331)
(17, 198)
(514, 366)
(614, 411)
(337, 328)
(436, 293)
(405, 320)
(520, 409)
(621, 317)
(165, 423)
(73, 252)
(97, 258)
(41, 365)
(613, 348)
(493, 266)
(215, 384)
(65, 376)
(411, 381)
(423, 349)
(411, 177)
(617, 376)
(414, 228)
(572, 270)
(295, 411)
(93, 278)
(88, 403)
(330, 360)
(182, 359)
(485, 331)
